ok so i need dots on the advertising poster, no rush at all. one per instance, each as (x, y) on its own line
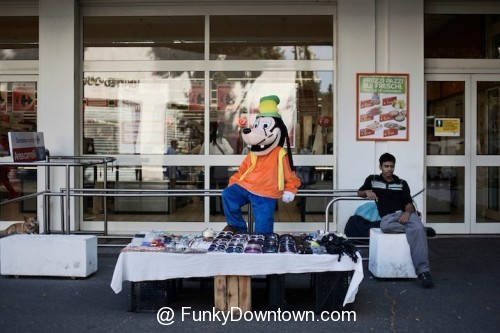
(382, 106)
(3, 97)
(225, 96)
(23, 97)
(197, 96)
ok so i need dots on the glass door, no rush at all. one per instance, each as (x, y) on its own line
(462, 148)
(486, 162)
(18, 113)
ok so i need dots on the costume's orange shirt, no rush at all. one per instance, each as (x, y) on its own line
(263, 176)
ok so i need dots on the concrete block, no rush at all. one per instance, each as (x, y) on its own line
(390, 255)
(48, 255)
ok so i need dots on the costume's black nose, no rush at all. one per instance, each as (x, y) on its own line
(246, 130)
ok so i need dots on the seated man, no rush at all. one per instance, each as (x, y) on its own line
(395, 206)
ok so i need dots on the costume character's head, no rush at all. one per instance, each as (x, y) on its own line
(268, 131)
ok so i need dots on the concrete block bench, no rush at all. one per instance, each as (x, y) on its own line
(390, 255)
(48, 255)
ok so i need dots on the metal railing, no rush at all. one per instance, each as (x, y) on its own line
(334, 200)
(67, 162)
(65, 193)
(106, 192)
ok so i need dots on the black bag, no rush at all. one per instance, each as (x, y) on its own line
(357, 226)
(339, 245)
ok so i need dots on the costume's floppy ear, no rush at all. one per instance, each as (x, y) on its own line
(285, 139)
(289, 150)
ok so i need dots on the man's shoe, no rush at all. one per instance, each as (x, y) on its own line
(426, 279)
(430, 232)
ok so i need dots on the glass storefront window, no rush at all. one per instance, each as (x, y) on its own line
(150, 206)
(142, 112)
(488, 194)
(306, 105)
(445, 192)
(18, 113)
(465, 36)
(271, 37)
(18, 38)
(312, 208)
(143, 38)
(445, 106)
(488, 118)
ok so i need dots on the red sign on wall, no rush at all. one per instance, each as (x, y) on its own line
(23, 97)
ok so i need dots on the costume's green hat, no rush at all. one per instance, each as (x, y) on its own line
(268, 106)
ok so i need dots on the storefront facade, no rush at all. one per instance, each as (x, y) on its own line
(151, 83)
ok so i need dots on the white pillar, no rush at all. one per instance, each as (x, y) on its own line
(382, 36)
(57, 90)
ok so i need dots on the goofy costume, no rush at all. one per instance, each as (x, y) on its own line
(266, 174)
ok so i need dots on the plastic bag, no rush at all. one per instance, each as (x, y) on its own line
(368, 211)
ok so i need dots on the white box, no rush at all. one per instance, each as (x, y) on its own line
(48, 255)
(390, 255)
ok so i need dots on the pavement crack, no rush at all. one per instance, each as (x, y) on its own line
(114, 329)
(393, 309)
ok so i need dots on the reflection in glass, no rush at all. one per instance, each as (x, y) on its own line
(218, 143)
(271, 37)
(306, 106)
(19, 38)
(152, 204)
(14, 183)
(466, 36)
(18, 111)
(488, 118)
(488, 194)
(445, 194)
(219, 179)
(142, 112)
(143, 38)
(313, 178)
(445, 103)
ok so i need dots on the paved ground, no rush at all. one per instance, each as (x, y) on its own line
(466, 298)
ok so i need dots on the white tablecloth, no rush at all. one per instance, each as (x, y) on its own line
(154, 266)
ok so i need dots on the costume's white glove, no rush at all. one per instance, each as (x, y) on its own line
(288, 196)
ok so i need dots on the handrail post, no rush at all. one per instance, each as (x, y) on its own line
(68, 212)
(61, 199)
(46, 199)
(105, 203)
(334, 200)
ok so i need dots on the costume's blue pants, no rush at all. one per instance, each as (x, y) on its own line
(234, 197)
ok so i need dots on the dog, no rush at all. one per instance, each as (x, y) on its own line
(29, 226)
